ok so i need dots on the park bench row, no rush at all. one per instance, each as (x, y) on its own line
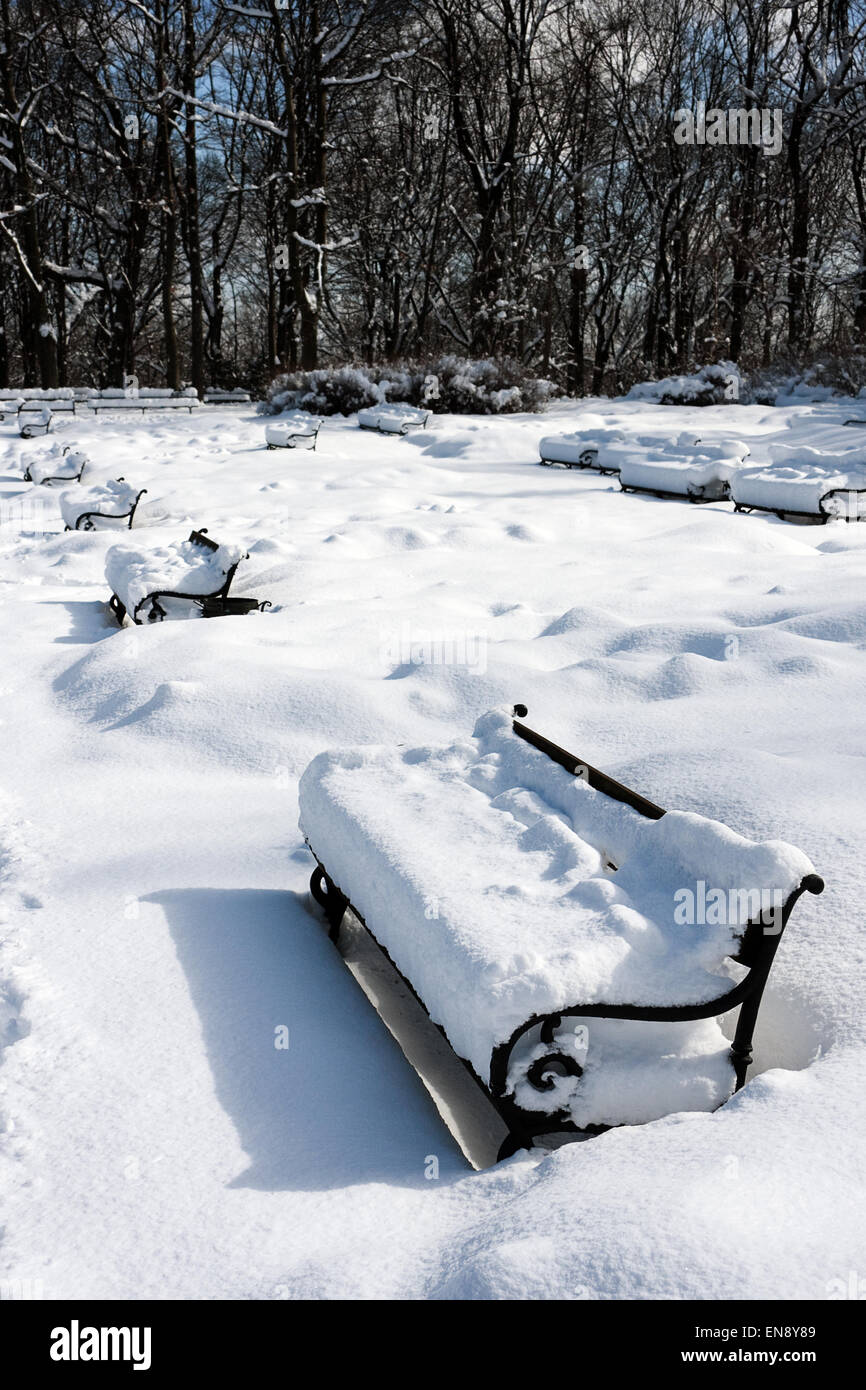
(798, 483)
(298, 429)
(148, 583)
(34, 410)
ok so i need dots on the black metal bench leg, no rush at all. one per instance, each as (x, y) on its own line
(117, 608)
(741, 1047)
(512, 1144)
(332, 902)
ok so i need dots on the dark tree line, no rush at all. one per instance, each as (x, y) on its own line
(210, 192)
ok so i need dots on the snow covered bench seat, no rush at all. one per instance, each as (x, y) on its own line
(60, 399)
(604, 449)
(188, 578)
(120, 401)
(294, 429)
(592, 448)
(803, 484)
(396, 418)
(696, 471)
(56, 404)
(574, 942)
(215, 395)
(105, 506)
(67, 467)
(34, 419)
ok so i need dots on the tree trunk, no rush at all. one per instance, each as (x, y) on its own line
(169, 225)
(191, 209)
(38, 328)
(798, 264)
(577, 300)
(215, 327)
(742, 219)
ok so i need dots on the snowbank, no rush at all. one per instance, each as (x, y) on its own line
(160, 927)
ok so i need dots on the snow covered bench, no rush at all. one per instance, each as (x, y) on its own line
(109, 400)
(396, 418)
(61, 398)
(185, 579)
(34, 419)
(573, 941)
(803, 484)
(67, 467)
(215, 395)
(101, 507)
(57, 405)
(696, 471)
(604, 448)
(593, 448)
(294, 429)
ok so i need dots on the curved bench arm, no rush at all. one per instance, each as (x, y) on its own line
(829, 516)
(747, 993)
(85, 517)
(57, 478)
(217, 603)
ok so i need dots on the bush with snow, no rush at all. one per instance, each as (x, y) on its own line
(785, 384)
(449, 385)
(715, 384)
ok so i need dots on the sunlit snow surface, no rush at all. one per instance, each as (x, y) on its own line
(158, 934)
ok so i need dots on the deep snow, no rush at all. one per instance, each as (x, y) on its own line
(158, 933)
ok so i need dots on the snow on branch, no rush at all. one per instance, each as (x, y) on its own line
(375, 73)
(217, 109)
(74, 274)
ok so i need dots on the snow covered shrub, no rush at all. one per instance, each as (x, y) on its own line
(716, 384)
(455, 385)
(487, 387)
(785, 384)
(326, 391)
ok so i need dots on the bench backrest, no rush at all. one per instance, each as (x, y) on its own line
(591, 775)
(203, 539)
(752, 937)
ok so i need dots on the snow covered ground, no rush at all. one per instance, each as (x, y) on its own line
(158, 931)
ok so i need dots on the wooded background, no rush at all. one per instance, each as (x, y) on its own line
(210, 193)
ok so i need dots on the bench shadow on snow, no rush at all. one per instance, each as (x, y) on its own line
(340, 1106)
(89, 622)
